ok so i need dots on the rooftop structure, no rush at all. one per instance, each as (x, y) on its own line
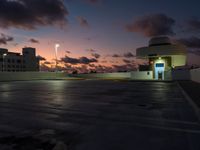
(163, 56)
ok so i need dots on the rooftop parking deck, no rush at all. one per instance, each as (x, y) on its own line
(97, 115)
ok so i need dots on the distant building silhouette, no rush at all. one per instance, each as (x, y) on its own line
(15, 62)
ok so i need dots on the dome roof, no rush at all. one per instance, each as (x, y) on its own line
(156, 41)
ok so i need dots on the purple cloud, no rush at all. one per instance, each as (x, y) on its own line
(32, 40)
(83, 21)
(152, 25)
(81, 60)
(29, 14)
(4, 39)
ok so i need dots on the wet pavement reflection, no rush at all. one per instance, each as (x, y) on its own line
(96, 115)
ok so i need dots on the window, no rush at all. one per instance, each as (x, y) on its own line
(18, 61)
(160, 65)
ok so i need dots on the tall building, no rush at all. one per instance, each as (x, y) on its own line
(15, 62)
(163, 56)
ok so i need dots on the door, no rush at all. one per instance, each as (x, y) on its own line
(159, 71)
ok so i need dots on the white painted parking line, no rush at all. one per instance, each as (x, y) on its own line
(190, 101)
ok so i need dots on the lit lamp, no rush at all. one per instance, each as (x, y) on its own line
(56, 51)
(4, 55)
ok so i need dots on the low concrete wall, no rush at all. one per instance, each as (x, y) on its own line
(134, 75)
(168, 75)
(142, 75)
(14, 76)
(195, 75)
(118, 75)
(181, 75)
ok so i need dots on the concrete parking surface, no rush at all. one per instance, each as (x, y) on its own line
(98, 115)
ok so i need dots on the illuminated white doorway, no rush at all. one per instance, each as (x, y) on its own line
(159, 71)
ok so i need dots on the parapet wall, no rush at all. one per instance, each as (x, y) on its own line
(195, 75)
(134, 75)
(14, 76)
(181, 75)
(118, 75)
(142, 75)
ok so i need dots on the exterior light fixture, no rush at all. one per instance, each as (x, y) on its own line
(56, 48)
(56, 52)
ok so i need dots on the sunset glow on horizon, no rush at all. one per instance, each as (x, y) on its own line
(97, 33)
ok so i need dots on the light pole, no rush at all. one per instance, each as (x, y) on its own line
(56, 51)
(4, 55)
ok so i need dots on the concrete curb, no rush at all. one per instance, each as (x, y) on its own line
(190, 101)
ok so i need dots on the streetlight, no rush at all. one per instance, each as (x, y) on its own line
(56, 51)
(4, 55)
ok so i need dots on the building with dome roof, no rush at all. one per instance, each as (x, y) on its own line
(162, 56)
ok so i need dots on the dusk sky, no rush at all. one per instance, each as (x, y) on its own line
(98, 33)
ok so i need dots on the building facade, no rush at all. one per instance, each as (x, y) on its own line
(162, 56)
(15, 62)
